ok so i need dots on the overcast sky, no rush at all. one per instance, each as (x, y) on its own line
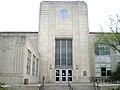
(23, 15)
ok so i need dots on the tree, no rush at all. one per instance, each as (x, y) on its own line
(112, 38)
(115, 76)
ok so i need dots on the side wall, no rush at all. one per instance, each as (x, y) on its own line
(11, 58)
(32, 46)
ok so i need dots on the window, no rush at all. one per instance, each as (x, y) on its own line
(103, 68)
(118, 56)
(70, 75)
(63, 52)
(97, 69)
(108, 72)
(29, 62)
(69, 72)
(103, 71)
(63, 72)
(102, 60)
(102, 49)
(108, 65)
(57, 73)
(69, 52)
(37, 67)
(97, 74)
(33, 65)
(57, 52)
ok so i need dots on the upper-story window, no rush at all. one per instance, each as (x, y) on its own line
(63, 14)
(28, 62)
(37, 62)
(118, 54)
(63, 53)
(102, 49)
(33, 65)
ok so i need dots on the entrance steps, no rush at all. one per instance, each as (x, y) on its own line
(56, 87)
(65, 87)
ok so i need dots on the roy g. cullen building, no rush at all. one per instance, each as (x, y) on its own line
(61, 50)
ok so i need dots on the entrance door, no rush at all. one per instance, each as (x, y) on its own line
(57, 77)
(63, 76)
(70, 74)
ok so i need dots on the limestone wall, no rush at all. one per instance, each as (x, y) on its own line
(13, 56)
(74, 26)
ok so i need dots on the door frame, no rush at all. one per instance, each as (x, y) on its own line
(59, 75)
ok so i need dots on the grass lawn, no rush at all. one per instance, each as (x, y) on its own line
(3, 88)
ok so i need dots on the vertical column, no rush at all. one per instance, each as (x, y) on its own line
(44, 40)
(84, 43)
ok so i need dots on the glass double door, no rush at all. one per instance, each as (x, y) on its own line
(63, 75)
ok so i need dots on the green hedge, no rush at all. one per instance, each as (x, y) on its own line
(3, 88)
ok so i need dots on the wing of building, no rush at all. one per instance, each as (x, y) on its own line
(19, 57)
(61, 51)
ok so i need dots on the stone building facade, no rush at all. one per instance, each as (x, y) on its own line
(16, 66)
(63, 42)
(61, 51)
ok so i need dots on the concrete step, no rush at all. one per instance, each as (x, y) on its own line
(83, 87)
(56, 88)
(65, 87)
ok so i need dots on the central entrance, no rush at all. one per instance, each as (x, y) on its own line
(63, 75)
(63, 60)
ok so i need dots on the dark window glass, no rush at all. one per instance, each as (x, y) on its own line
(69, 72)
(69, 52)
(57, 78)
(103, 71)
(63, 72)
(57, 73)
(63, 78)
(63, 52)
(57, 52)
(108, 72)
(69, 78)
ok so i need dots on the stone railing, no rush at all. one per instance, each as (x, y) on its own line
(109, 87)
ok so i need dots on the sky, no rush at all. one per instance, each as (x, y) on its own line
(23, 15)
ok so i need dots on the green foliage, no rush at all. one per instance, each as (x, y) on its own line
(1, 88)
(112, 39)
(115, 76)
